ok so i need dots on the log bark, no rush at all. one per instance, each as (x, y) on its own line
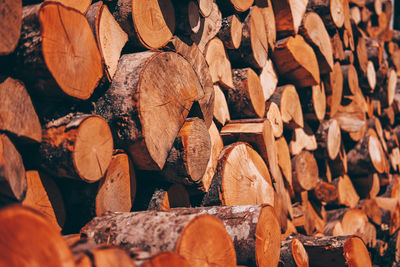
(170, 231)
(132, 122)
(45, 42)
(293, 254)
(11, 19)
(77, 146)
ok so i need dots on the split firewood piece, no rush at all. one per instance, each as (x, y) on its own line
(259, 243)
(269, 19)
(296, 61)
(199, 64)
(331, 12)
(245, 99)
(29, 226)
(209, 28)
(325, 192)
(343, 250)
(302, 140)
(242, 178)
(334, 89)
(351, 118)
(315, 33)
(284, 160)
(293, 254)
(313, 100)
(44, 196)
(367, 156)
(273, 114)
(305, 171)
(116, 192)
(218, 63)
(43, 46)
(109, 36)
(233, 6)
(329, 138)
(268, 79)
(253, 50)
(187, 18)
(188, 158)
(347, 194)
(171, 231)
(17, 114)
(231, 32)
(150, 31)
(287, 99)
(258, 133)
(81, 6)
(216, 147)
(221, 110)
(367, 186)
(11, 21)
(288, 16)
(77, 146)
(168, 98)
(12, 176)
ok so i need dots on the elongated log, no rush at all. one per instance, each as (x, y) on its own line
(188, 158)
(288, 16)
(287, 99)
(296, 61)
(231, 32)
(132, 122)
(21, 227)
(343, 249)
(332, 12)
(305, 171)
(17, 114)
(12, 172)
(314, 32)
(268, 79)
(245, 99)
(170, 231)
(242, 178)
(11, 19)
(273, 114)
(77, 146)
(293, 254)
(44, 45)
(44, 196)
(151, 31)
(258, 134)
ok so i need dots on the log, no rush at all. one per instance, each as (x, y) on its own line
(17, 113)
(245, 99)
(12, 172)
(293, 253)
(332, 12)
(284, 160)
(221, 110)
(231, 32)
(329, 138)
(367, 186)
(116, 191)
(302, 140)
(290, 56)
(273, 114)
(342, 250)
(188, 158)
(21, 227)
(205, 7)
(132, 122)
(288, 16)
(242, 178)
(305, 171)
(81, 6)
(269, 20)
(187, 18)
(229, 6)
(77, 146)
(315, 33)
(287, 99)
(151, 31)
(351, 118)
(347, 194)
(268, 79)
(259, 135)
(44, 196)
(43, 46)
(334, 90)
(337, 47)
(325, 192)
(170, 231)
(313, 101)
(11, 19)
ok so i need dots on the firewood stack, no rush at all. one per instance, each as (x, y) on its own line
(270, 136)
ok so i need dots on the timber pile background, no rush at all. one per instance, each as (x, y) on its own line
(199, 133)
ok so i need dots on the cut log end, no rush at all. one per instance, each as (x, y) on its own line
(356, 253)
(11, 20)
(305, 171)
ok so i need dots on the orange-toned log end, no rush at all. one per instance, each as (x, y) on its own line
(28, 239)
(299, 253)
(117, 190)
(10, 21)
(80, 5)
(171, 259)
(356, 253)
(110, 257)
(296, 61)
(205, 242)
(293, 254)
(305, 171)
(44, 196)
(70, 50)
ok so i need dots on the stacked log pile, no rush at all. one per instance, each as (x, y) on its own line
(199, 133)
